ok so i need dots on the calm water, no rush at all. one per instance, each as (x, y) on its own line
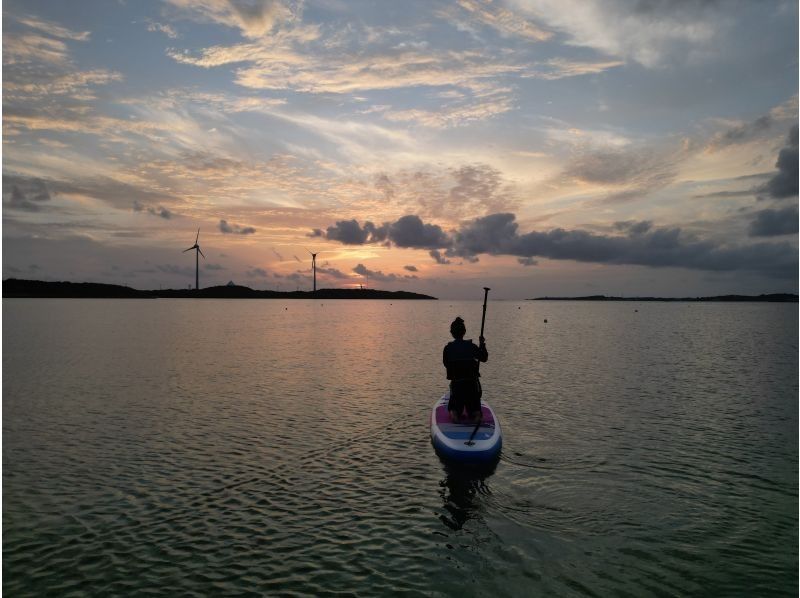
(282, 448)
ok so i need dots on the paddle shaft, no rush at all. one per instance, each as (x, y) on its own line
(485, 297)
(483, 322)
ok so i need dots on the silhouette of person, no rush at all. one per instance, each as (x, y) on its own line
(461, 359)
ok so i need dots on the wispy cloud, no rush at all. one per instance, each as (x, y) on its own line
(646, 32)
(53, 29)
(253, 19)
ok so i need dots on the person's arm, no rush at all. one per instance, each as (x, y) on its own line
(444, 356)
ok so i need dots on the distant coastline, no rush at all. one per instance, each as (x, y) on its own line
(774, 298)
(17, 288)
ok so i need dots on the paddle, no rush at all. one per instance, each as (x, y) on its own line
(483, 321)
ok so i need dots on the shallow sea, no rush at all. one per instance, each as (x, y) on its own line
(270, 447)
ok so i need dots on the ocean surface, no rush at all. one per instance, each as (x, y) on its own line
(271, 447)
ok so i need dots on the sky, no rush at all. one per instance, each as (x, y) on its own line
(539, 147)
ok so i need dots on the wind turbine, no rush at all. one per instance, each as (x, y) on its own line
(314, 266)
(196, 260)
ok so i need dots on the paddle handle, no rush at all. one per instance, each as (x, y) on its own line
(485, 297)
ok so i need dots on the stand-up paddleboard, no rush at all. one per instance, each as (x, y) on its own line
(452, 440)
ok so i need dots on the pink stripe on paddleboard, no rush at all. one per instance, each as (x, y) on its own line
(443, 417)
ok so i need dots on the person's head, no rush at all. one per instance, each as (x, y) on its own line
(457, 328)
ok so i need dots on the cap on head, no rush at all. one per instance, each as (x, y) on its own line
(457, 328)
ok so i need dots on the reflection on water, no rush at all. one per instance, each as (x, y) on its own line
(462, 486)
(225, 447)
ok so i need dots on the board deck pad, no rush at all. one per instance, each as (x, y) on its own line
(462, 431)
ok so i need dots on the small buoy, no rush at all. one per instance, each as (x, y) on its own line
(636, 310)
(286, 308)
(545, 321)
(519, 308)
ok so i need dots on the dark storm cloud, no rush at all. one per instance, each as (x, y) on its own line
(235, 229)
(784, 184)
(411, 268)
(24, 193)
(643, 245)
(772, 223)
(661, 247)
(350, 232)
(410, 231)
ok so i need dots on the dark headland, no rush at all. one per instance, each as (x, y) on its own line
(774, 297)
(16, 288)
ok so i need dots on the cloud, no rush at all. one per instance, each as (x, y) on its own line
(167, 30)
(253, 18)
(53, 29)
(784, 184)
(453, 116)
(772, 223)
(438, 257)
(527, 261)
(411, 268)
(256, 273)
(650, 32)
(634, 227)
(159, 211)
(407, 231)
(410, 231)
(332, 272)
(561, 68)
(643, 245)
(33, 48)
(643, 169)
(24, 193)
(350, 232)
(377, 275)
(504, 21)
(741, 133)
(209, 266)
(235, 229)
(661, 247)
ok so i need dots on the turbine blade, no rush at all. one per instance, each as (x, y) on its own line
(185, 250)
(197, 237)
(201, 252)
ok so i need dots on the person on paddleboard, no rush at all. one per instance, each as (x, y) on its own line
(462, 360)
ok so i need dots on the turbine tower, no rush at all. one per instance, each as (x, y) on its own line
(197, 255)
(314, 266)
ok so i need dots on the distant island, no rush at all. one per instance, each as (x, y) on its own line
(17, 288)
(774, 297)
